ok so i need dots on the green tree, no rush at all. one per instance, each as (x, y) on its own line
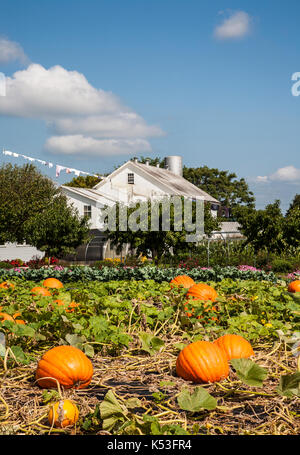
(27, 199)
(159, 241)
(294, 204)
(262, 228)
(222, 185)
(291, 229)
(88, 181)
(58, 230)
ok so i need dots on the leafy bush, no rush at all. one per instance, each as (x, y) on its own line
(282, 266)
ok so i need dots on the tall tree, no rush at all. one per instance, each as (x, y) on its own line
(162, 239)
(222, 185)
(34, 210)
(262, 228)
(88, 181)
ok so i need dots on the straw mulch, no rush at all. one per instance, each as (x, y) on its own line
(241, 410)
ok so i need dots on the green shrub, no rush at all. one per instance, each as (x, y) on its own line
(282, 266)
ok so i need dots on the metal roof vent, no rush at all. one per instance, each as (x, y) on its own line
(174, 164)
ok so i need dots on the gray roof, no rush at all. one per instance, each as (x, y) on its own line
(90, 193)
(178, 185)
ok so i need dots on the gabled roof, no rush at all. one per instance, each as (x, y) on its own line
(89, 193)
(175, 184)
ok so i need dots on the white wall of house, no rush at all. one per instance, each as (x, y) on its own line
(142, 189)
(24, 252)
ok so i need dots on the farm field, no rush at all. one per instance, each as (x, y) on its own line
(133, 331)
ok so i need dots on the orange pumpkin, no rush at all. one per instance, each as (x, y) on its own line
(18, 321)
(7, 285)
(234, 346)
(70, 308)
(182, 280)
(189, 312)
(67, 365)
(202, 362)
(6, 317)
(52, 283)
(202, 291)
(294, 286)
(39, 290)
(63, 413)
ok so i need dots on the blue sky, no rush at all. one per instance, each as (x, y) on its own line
(91, 84)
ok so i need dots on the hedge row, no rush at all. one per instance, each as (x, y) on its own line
(85, 273)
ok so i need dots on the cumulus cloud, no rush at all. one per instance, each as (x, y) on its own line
(78, 144)
(78, 114)
(237, 25)
(288, 174)
(119, 124)
(11, 51)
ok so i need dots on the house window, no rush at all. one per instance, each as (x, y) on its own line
(130, 178)
(87, 211)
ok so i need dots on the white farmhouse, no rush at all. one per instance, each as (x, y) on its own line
(131, 182)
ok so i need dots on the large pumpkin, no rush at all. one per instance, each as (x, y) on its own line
(202, 291)
(182, 280)
(67, 365)
(39, 290)
(234, 346)
(63, 413)
(294, 286)
(202, 362)
(52, 283)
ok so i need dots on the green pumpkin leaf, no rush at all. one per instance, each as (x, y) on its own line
(111, 411)
(289, 385)
(249, 372)
(150, 343)
(196, 401)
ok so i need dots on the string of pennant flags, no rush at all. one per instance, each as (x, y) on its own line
(58, 168)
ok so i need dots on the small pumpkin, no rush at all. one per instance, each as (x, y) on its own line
(7, 285)
(6, 317)
(202, 291)
(67, 365)
(202, 362)
(39, 290)
(16, 320)
(190, 311)
(294, 286)
(52, 283)
(63, 413)
(70, 308)
(234, 346)
(182, 280)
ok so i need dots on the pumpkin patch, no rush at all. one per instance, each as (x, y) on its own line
(122, 353)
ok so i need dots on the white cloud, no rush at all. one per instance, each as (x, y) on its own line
(11, 51)
(289, 174)
(122, 124)
(77, 113)
(40, 93)
(78, 144)
(237, 25)
(286, 174)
